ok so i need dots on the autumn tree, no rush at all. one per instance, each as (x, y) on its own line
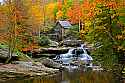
(17, 32)
(103, 24)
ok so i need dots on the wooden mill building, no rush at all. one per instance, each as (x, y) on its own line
(61, 28)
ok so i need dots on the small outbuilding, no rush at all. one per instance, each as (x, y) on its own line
(60, 29)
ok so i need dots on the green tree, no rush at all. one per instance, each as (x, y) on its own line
(103, 29)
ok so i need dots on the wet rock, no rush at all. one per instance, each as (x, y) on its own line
(71, 43)
(53, 44)
(50, 63)
(28, 64)
(4, 54)
(20, 69)
(51, 50)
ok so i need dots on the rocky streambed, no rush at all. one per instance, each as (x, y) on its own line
(20, 69)
(24, 69)
(40, 67)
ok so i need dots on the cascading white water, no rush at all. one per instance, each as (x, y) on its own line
(82, 45)
(70, 51)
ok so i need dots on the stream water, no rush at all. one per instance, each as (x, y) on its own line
(70, 77)
(75, 76)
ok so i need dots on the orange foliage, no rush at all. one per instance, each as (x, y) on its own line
(3, 37)
(3, 19)
(88, 8)
(59, 4)
(65, 1)
(99, 1)
(70, 12)
(30, 47)
(90, 14)
(112, 4)
(18, 14)
(74, 14)
(86, 4)
(59, 14)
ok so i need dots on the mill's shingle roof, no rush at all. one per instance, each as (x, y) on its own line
(65, 24)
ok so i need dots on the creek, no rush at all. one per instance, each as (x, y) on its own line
(76, 76)
(71, 76)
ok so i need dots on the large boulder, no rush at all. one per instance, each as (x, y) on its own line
(4, 54)
(53, 43)
(71, 43)
(50, 50)
(50, 63)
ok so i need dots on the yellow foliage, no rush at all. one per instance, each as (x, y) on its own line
(120, 48)
(37, 13)
(51, 6)
(87, 23)
(50, 9)
(59, 14)
(120, 37)
(82, 31)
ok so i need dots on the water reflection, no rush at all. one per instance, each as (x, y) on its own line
(71, 77)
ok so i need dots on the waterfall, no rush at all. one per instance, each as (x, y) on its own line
(70, 51)
(82, 45)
